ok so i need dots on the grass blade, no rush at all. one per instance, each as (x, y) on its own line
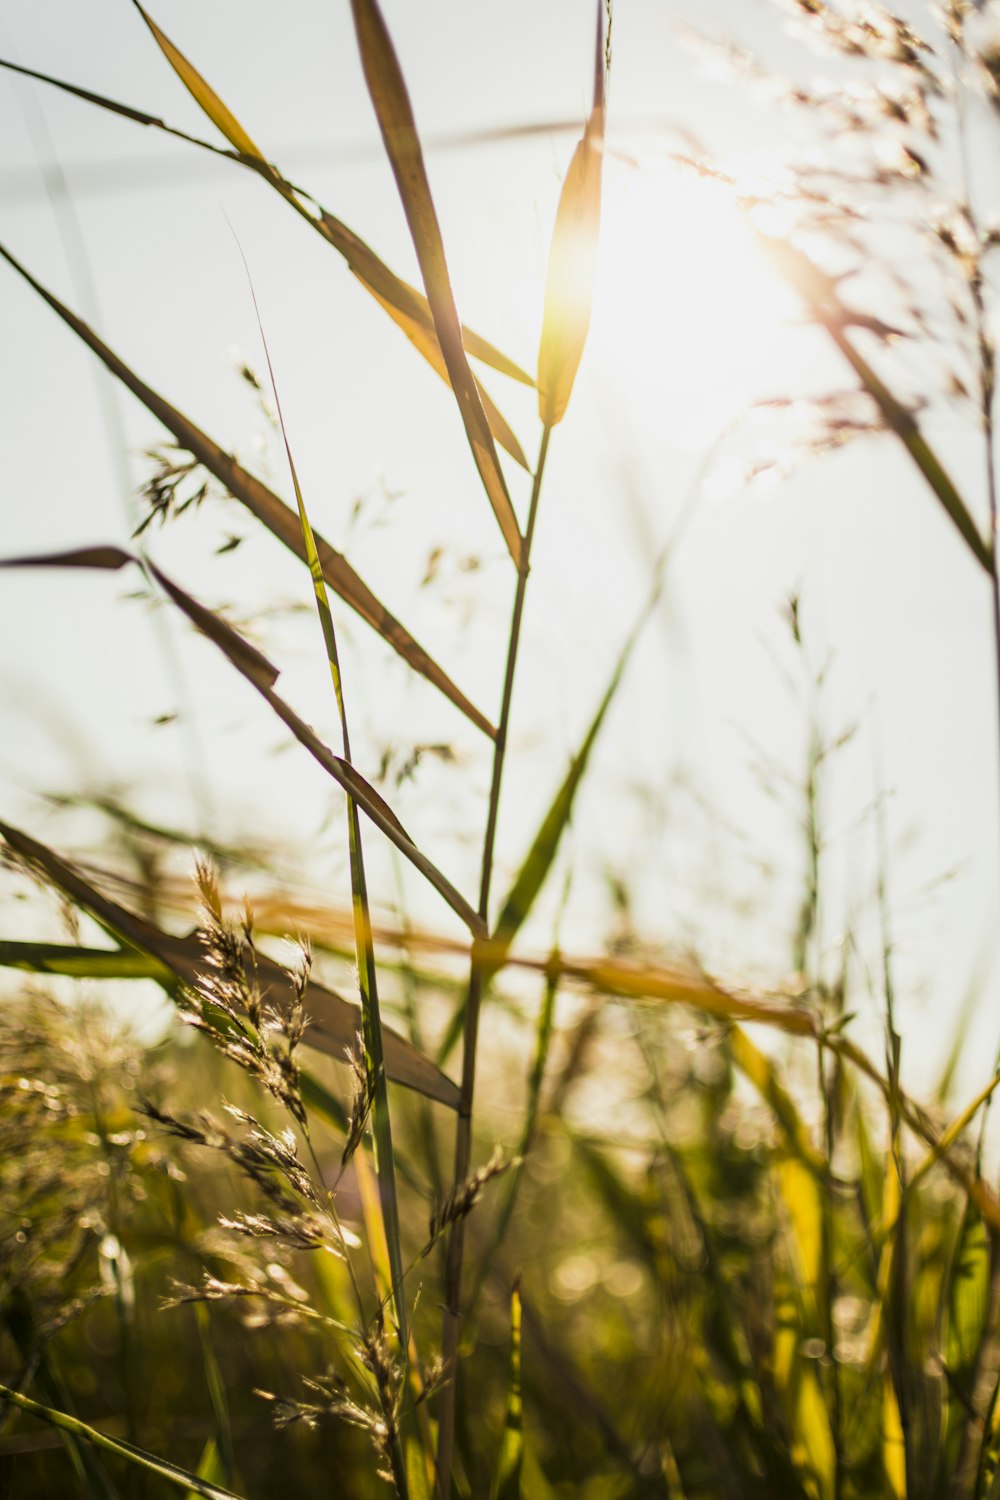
(222, 118)
(508, 1476)
(279, 519)
(399, 132)
(364, 946)
(168, 1472)
(569, 286)
(333, 1020)
(818, 291)
(255, 667)
(404, 304)
(82, 963)
(763, 1074)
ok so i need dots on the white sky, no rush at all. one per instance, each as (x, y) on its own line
(682, 340)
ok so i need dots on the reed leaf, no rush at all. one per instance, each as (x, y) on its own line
(819, 293)
(763, 1074)
(507, 1484)
(391, 101)
(221, 117)
(364, 947)
(404, 304)
(279, 518)
(255, 667)
(170, 1473)
(569, 285)
(333, 1020)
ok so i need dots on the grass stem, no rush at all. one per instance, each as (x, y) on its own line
(451, 1327)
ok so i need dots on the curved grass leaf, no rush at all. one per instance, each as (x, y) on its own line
(161, 1467)
(507, 1485)
(222, 118)
(333, 1020)
(279, 518)
(399, 132)
(763, 1074)
(569, 285)
(364, 947)
(404, 304)
(82, 963)
(818, 291)
(22, 1323)
(255, 667)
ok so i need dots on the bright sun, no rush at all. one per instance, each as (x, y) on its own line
(690, 323)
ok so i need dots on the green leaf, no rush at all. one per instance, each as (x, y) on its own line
(364, 947)
(763, 1074)
(391, 101)
(507, 1485)
(161, 1467)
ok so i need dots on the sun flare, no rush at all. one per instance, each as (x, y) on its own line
(690, 322)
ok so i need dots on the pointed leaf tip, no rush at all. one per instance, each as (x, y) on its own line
(569, 285)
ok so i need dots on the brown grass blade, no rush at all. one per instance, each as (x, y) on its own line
(334, 1021)
(353, 783)
(569, 286)
(202, 92)
(404, 304)
(395, 117)
(278, 517)
(818, 291)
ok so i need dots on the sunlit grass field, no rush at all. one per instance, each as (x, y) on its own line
(438, 1197)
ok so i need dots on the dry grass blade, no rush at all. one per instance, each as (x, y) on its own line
(569, 286)
(271, 511)
(399, 132)
(818, 291)
(201, 91)
(333, 1020)
(404, 304)
(110, 558)
(353, 783)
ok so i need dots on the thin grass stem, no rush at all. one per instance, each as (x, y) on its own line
(451, 1327)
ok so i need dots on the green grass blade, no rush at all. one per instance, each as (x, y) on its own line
(365, 948)
(333, 1020)
(82, 963)
(763, 1074)
(507, 1485)
(279, 518)
(168, 1472)
(569, 286)
(399, 132)
(17, 1313)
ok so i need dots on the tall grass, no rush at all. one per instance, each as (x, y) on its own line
(779, 1280)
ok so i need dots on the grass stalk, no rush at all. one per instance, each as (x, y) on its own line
(451, 1327)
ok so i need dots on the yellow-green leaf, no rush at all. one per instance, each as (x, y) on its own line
(569, 285)
(507, 1485)
(202, 92)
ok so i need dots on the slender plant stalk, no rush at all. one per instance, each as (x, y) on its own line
(451, 1327)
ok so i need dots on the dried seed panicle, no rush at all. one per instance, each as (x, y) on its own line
(462, 1199)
